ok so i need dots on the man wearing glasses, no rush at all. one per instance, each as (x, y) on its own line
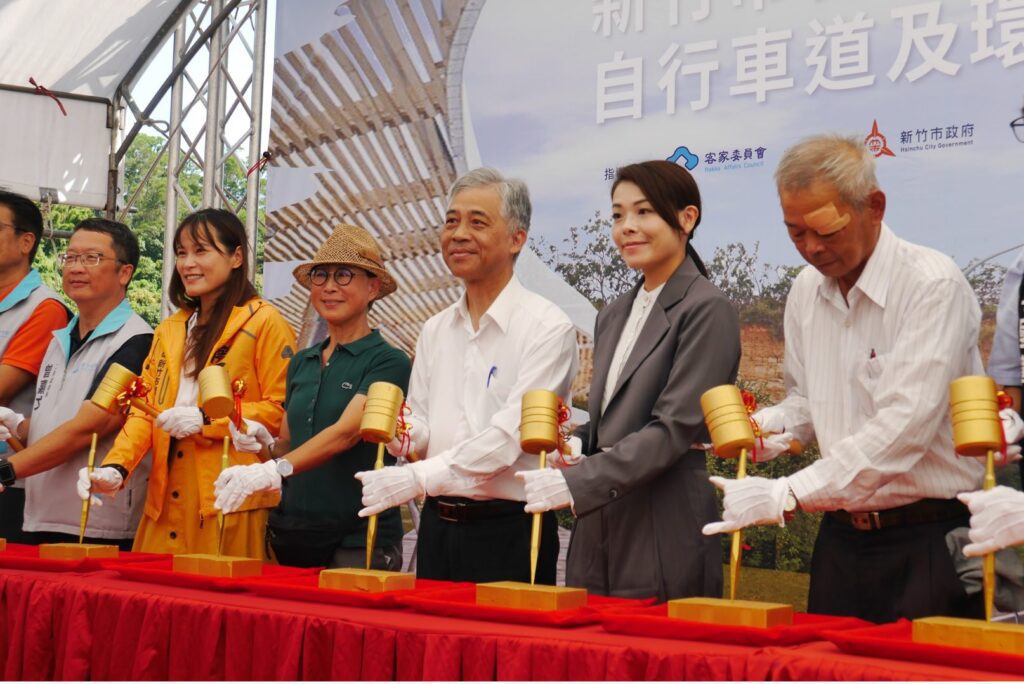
(100, 260)
(29, 313)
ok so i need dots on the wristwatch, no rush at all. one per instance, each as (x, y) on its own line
(7, 476)
(284, 467)
(791, 503)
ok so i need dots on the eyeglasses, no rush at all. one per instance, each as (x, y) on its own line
(1018, 128)
(342, 276)
(90, 260)
(9, 225)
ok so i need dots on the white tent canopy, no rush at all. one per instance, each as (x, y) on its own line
(83, 52)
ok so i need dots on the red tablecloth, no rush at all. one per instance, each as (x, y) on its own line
(824, 661)
(98, 626)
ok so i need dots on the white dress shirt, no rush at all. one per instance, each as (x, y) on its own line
(871, 379)
(467, 387)
(1004, 362)
(638, 314)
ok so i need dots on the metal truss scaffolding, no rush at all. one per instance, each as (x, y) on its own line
(373, 111)
(215, 115)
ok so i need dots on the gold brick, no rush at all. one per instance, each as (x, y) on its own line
(1004, 637)
(529, 596)
(725, 612)
(211, 565)
(368, 581)
(70, 551)
(186, 562)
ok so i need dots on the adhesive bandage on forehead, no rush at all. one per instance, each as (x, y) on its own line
(826, 220)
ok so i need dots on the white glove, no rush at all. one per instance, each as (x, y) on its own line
(103, 480)
(997, 519)
(394, 485)
(1013, 426)
(235, 484)
(546, 490)
(1013, 429)
(416, 439)
(180, 421)
(398, 447)
(253, 439)
(771, 419)
(10, 420)
(572, 455)
(750, 501)
(388, 487)
(772, 446)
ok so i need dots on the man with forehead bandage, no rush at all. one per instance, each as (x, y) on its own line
(826, 220)
(874, 332)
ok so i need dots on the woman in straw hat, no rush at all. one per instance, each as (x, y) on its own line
(221, 320)
(319, 447)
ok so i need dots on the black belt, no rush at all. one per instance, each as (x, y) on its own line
(917, 513)
(459, 510)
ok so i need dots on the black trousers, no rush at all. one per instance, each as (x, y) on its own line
(304, 544)
(61, 538)
(12, 516)
(883, 575)
(484, 549)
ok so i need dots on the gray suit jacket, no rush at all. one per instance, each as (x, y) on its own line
(642, 496)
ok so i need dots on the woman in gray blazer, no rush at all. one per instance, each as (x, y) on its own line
(641, 496)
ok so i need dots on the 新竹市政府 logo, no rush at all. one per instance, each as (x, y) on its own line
(876, 142)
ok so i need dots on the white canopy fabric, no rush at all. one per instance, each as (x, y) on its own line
(77, 47)
(83, 49)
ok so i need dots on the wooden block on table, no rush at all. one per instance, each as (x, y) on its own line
(71, 551)
(211, 565)
(727, 612)
(529, 596)
(368, 581)
(1004, 637)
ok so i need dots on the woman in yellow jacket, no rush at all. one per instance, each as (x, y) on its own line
(221, 320)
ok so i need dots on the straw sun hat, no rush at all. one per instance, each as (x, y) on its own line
(350, 246)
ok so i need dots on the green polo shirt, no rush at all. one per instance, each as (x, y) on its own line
(315, 398)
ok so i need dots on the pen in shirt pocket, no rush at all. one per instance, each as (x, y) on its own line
(493, 373)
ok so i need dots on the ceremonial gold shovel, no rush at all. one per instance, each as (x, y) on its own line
(379, 424)
(87, 504)
(538, 434)
(224, 460)
(728, 423)
(978, 431)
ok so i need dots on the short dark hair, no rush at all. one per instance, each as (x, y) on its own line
(126, 245)
(27, 217)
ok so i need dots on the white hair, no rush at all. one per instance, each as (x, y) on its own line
(842, 161)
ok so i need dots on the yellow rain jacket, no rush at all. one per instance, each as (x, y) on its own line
(179, 516)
